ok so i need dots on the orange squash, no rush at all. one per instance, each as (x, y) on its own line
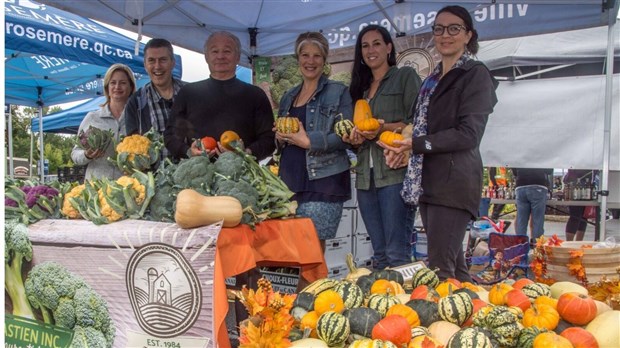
(406, 312)
(287, 124)
(308, 321)
(497, 293)
(580, 338)
(228, 137)
(445, 288)
(362, 111)
(576, 308)
(542, 316)
(521, 282)
(516, 297)
(382, 286)
(548, 300)
(478, 304)
(551, 340)
(388, 138)
(424, 292)
(328, 300)
(393, 328)
(368, 125)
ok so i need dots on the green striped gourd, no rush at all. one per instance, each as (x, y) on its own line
(333, 328)
(501, 322)
(351, 294)
(425, 276)
(365, 283)
(390, 274)
(456, 308)
(342, 127)
(419, 331)
(527, 335)
(320, 285)
(535, 290)
(370, 343)
(469, 337)
(381, 302)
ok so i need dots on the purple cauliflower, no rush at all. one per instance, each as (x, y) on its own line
(35, 192)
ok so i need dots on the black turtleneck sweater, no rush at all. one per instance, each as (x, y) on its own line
(210, 107)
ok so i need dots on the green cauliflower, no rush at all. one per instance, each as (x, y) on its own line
(66, 300)
(17, 249)
(195, 173)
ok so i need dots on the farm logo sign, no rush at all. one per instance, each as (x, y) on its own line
(163, 289)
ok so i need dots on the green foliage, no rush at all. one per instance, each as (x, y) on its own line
(17, 249)
(343, 76)
(285, 75)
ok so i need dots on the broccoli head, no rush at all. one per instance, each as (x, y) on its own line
(17, 249)
(87, 337)
(231, 165)
(66, 300)
(195, 173)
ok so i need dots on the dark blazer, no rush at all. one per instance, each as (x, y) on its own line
(457, 116)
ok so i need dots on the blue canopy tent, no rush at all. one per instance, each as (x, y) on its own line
(54, 57)
(68, 121)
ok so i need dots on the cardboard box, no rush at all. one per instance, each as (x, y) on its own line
(367, 263)
(347, 223)
(337, 271)
(336, 251)
(360, 228)
(362, 247)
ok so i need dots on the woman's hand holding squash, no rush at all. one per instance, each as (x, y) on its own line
(396, 157)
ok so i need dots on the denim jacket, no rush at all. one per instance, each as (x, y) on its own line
(327, 154)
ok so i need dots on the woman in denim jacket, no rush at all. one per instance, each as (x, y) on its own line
(314, 162)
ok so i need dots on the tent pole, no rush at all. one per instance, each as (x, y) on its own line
(607, 120)
(10, 140)
(41, 149)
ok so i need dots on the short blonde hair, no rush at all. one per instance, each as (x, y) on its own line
(108, 77)
(315, 38)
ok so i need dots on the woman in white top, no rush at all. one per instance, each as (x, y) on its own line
(118, 84)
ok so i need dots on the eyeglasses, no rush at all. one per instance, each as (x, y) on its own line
(453, 29)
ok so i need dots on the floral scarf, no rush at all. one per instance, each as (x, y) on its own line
(412, 184)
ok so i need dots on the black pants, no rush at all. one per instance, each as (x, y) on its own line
(445, 230)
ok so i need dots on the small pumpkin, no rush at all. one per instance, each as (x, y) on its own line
(521, 282)
(228, 138)
(393, 328)
(455, 308)
(576, 308)
(368, 125)
(388, 138)
(425, 292)
(406, 312)
(428, 311)
(580, 338)
(382, 302)
(605, 329)
(469, 337)
(343, 127)
(390, 274)
(498, 292)
(309, 321)
(471, 286)
(443, 330)
(354, 271)
(445, 288)
(535, 290)
(424, 341)
(527, 335)
(370, 343)
(478, 304)
(551, 339)
(351, 294)
(309, 343)
(382, 286)
(419, 331)
(287, 124)
(542, 316)
(365, 282)
(548, 300)
(328, 300)
(559, 288)
(516, 297)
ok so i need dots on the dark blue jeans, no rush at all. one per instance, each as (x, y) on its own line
(389, 224)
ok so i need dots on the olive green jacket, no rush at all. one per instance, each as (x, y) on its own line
(392, 103)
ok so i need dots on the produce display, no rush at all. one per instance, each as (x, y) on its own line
(94, 139)
(367, 309)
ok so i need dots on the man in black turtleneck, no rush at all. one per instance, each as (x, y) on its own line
(220, 103)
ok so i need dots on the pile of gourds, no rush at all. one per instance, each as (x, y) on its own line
(372, 309)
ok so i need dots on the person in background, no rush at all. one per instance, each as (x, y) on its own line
(150, 107)
(220, 103)
(118, 84)
(390, 92)
(314, 163)
(444, 173)
(532, 190)
(576, 225)
(497, 178)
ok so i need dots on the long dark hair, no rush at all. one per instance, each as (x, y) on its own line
(361, 76)
(461, 12)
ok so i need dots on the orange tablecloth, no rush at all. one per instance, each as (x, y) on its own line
(291, 242)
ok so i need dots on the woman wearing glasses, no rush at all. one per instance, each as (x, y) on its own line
(391, 92)
(444, 173)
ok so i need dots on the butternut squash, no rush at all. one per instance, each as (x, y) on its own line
(195, 210)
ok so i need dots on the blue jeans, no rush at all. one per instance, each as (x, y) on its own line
(531, 201)
(389, 224)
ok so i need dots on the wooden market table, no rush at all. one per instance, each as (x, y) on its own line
(99, 254)
(290, 242)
